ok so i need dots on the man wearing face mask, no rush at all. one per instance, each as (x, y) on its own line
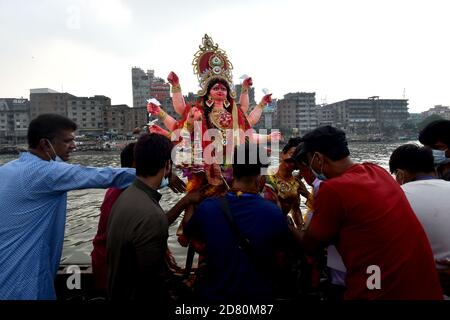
(442, 164)
(138, 227)
(362, 211)
(33, 201)
(243, 236)
(436, 135)
(413, 167)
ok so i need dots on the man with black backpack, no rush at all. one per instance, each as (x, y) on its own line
(242, 233)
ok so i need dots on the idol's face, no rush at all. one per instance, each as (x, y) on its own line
(218, 92)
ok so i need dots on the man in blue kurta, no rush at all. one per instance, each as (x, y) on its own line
(33, 205)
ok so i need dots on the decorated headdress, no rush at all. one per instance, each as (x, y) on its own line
(210, 63)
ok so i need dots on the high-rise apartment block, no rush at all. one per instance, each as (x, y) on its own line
(296, 112)
(365, 116)
(87, 112)
(14, 120)
(141, 85)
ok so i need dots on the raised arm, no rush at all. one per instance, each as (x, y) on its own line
(256, 113)
(191, 198)
(244, 99)
(157, 129)
(65, 177)
(177, 97)
(157, 111)
(263, 138)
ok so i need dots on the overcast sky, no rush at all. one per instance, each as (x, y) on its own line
(339, 49)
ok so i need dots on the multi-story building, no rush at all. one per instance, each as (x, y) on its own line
(296, 113)
(88, 113)
(14, 120)
(392, 113)
(141, 85)
(440, 110)
(190, 98)
(94, 116)
(353, 116)
(146, 86)
(116, 118)
(137, 118)
(159, 89)
(122, 120)
(325, 116)
(366, 116)
(48, 101)
(267, 120)
(251, 94)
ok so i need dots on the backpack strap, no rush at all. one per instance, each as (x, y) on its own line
(243, 242)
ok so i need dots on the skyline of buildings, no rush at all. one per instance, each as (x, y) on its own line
(440, 110)
(369, 116)
(295, 113)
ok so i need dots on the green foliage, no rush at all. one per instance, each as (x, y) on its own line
(427, 121)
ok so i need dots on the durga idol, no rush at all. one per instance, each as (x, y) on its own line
(215, 109)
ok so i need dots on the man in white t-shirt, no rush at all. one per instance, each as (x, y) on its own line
(429, 197)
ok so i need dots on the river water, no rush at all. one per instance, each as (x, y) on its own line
(83, 207)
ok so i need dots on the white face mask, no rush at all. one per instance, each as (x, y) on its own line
(440, 157)
(57, 158)
(320, 175)
(165, 181)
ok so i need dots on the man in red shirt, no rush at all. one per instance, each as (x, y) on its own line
(362, 211)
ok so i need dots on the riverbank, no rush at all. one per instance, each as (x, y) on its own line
(81, 146)
(11, 149)
(102, 145)
(118, 145)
